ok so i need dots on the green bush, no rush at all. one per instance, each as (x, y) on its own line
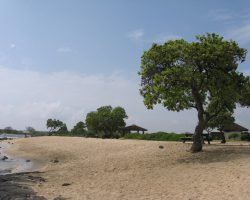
(245, 136)
(234, 136)
(159, 136)
(91, 134)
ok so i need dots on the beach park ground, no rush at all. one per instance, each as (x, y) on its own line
(104, 169)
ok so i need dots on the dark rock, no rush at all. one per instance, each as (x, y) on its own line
(17, 186)
(161, 147)
(27, 160)
(4, 158)
(66, 184)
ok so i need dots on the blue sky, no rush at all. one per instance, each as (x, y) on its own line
(64, 58)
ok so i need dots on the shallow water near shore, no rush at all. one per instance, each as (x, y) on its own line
(12, 164)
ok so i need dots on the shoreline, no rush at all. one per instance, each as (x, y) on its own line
(16, 164)
(16, 181)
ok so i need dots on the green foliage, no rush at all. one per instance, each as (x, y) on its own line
(106, 120)
(234, 136)
(101, 134)
(245, 136)
(11, 130)
(202, 75)
(79, 129)
(30, 129)
(92, 134)
(92, 121)
(222, 119)
(63, 129)
(159, 136)
(56, 126)
(172, 73)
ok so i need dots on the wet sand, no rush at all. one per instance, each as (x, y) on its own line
(85, 168)
(15, 180)
(14, 164)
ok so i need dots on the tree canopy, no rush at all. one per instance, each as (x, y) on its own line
(55, 125)
(201, 75)
(79, 128)
(106, 119)
(30, 129)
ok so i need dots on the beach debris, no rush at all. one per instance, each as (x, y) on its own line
(60, 198)
(27, 160)
(55, 160)
(66, 184)
(161, 147)
(4, 158)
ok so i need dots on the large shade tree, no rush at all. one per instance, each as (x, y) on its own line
(201, 75)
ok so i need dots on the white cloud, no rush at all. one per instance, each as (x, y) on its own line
(136, 34)
(165, 38)
(12, 46)
(29, 98)
(238, 24)
(64, 50)
(240, 33)
(246, 72)
(221, 15)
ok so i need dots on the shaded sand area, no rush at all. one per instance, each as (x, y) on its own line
(86, 168)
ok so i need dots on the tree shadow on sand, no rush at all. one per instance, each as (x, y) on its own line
(217, 153)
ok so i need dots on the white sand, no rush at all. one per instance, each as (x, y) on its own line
(130, 169)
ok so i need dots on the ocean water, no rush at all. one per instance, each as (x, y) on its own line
(11, 136)
(12, 164)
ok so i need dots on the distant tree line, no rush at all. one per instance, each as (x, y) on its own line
(105, 122)
(28, 130)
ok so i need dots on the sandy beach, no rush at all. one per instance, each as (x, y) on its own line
(86, 168)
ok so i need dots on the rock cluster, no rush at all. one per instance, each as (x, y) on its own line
(15, 186)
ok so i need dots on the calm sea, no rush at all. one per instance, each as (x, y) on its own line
(11, 164)
(12, 136)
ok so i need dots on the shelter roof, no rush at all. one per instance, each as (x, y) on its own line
(134, 127)
(233, 127)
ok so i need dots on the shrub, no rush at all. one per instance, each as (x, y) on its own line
(159, 136)
(91, 134)
(234, 136)
(245, 136)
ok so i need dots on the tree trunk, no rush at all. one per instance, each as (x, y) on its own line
(197, 138)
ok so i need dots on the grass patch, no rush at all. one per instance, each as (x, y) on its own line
(159, 136)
